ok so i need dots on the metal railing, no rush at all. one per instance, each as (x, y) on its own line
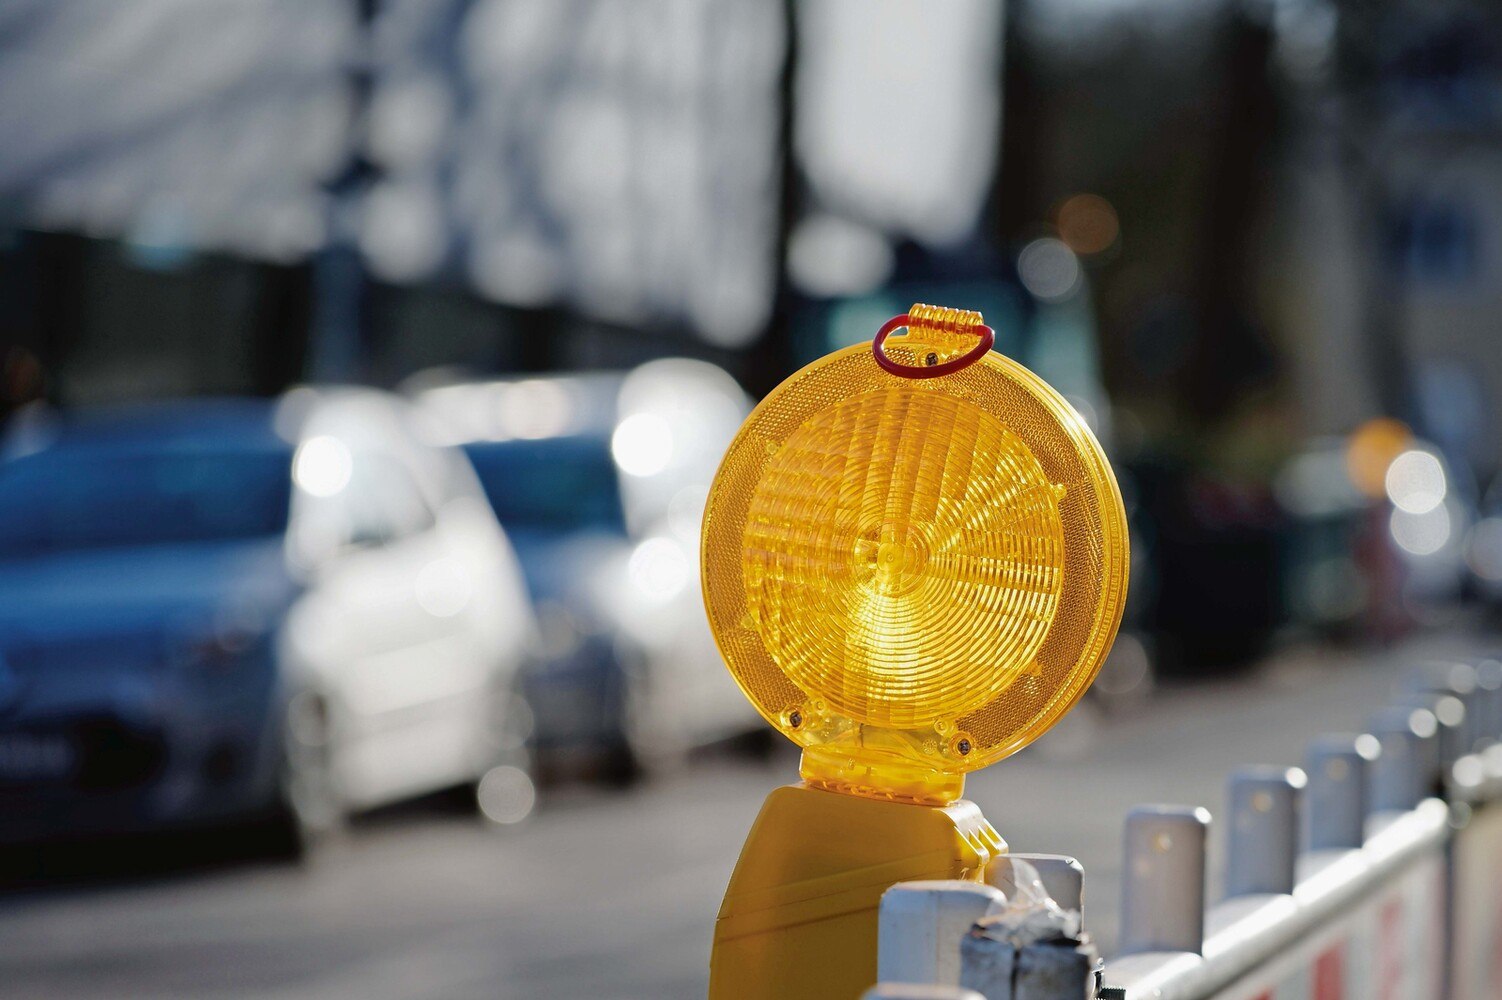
(1373, 870)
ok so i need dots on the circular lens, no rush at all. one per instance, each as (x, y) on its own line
(902, 560)
(903, 556)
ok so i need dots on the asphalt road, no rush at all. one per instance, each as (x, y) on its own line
(613, 894)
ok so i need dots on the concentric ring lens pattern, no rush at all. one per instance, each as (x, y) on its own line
(928, 569)
(903, 556)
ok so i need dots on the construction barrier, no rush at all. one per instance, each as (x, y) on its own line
(1476, 873)
(1373, 872)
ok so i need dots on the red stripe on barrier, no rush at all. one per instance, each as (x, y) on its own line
(1390, 950)
(1330, 974)
(1436, 958)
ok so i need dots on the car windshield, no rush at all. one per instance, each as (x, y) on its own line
(563, 483)
(70, 498)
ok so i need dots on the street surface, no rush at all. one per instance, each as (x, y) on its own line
(613, 894)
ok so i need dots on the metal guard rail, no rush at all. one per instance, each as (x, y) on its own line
(1244, 932)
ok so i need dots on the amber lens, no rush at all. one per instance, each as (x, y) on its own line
(902, 556)
(890, 562)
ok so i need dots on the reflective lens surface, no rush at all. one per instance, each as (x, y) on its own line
(913, 577)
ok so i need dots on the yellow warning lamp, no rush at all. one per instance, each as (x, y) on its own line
(914, 562)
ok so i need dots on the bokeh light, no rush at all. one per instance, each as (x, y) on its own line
(642, 444)
(1372, 448)
(1088, 224)
(1415, 482)
(506, 795)
(1049, 269)
(1421, 534)
(322, 465)
(659, 568)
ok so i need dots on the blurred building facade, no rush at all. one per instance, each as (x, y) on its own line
(1282, 217)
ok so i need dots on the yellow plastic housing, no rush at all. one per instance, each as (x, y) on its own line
(799, 917)
(913, 578)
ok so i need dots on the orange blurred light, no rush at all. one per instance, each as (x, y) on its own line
(1088, 223)
(1371, 450)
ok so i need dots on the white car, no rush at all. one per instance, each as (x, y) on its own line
(415, 623)
(600, 480)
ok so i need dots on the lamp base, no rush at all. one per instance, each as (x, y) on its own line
(799, 917)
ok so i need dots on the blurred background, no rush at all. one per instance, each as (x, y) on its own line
(364, 365)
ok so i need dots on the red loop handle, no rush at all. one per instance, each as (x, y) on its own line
(985, 333)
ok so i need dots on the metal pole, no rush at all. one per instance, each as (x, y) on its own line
(1163, 879)
(1062, 877)
(1450, 717)
(1459, 680)
(1263, 833)
(1408, 767)
(1489, 700)
(1335, 802)
(1005, 958)
(920, 926)
(1000, 968)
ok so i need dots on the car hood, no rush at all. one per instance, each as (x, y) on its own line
(141, 592)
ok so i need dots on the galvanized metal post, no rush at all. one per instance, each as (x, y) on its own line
(1010, 957)
(1045, 956)
(1264, 829)
(1058, 970)
(1454, 730)
(999, 967)
(1450, 718)
(1335, 801)
(1459, 680)
(921, 924)
(1408, 767)
(1062, 877)
(1163, 879)
(989, 964)
(1489, 700)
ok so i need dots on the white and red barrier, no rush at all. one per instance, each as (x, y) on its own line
(1353, 879)
(1476, 878)
(1389, 946)
(1362, 923)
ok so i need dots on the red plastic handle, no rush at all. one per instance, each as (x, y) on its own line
(985, 333)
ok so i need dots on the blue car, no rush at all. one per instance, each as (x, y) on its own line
(561, 503)
(249, 611)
